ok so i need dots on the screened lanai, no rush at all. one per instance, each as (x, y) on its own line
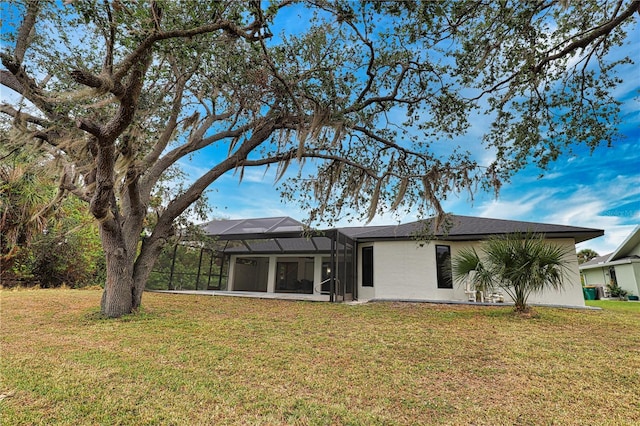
(281, 255)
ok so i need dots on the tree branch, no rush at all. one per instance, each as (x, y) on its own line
(174, 155)
(171, 125)
(101, 82)
(25, 85)
(90, 127)
(109, 39)
(9, 80)
(10, 111)
(25, 31)
(370, 73)
(599, 31)
(359, 106)
(145, 45)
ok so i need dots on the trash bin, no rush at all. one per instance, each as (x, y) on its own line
(589, 293)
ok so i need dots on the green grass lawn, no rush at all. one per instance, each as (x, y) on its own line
(198, 360)
(615, 305)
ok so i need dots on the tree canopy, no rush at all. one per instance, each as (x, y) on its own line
(365, 98)
(586, 255)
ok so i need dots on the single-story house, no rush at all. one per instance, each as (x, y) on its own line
(621, 267)
(279, 255)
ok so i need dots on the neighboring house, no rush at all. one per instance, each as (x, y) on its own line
(373, 262)
(621, 267)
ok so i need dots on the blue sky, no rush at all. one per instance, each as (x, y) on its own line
(601, 190)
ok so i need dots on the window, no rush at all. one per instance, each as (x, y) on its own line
(367, 266)
(443, 264)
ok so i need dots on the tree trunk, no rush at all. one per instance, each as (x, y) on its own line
(149, 253)
(117, 298)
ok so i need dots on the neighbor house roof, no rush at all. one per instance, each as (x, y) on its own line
(628, 251)
(599, 260)
(627, 247)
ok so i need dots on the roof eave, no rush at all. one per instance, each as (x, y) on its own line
(577, 236)
(609, 263)
(632, 239)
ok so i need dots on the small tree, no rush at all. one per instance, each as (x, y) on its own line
(520, 264)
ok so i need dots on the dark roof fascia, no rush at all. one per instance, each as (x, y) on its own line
(577, 236)
(271, 252)
(259, 236)
(328, 233)
(249, 249)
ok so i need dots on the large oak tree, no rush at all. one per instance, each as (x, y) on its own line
(365, 98)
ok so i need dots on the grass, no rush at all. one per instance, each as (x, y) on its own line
(615, 305)
(195, 360)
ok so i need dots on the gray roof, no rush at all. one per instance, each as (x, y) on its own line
(238, 229)
(597, 260)
(285, 235)
(476, 228)
(268, 235)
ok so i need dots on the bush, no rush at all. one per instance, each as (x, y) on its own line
(616, 291)
(68, 252)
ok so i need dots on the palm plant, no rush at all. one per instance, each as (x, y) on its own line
(467, 265)
(23, 196)
(520, 264)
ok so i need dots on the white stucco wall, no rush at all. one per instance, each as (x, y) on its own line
(571, 294)
(627, 276)
(595, 276)
(636, 271)
(406, 270)
(634, 251)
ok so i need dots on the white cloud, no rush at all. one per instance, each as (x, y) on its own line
(515, 209)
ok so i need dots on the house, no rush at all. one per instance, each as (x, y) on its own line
(621, 267)
(278, 255)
